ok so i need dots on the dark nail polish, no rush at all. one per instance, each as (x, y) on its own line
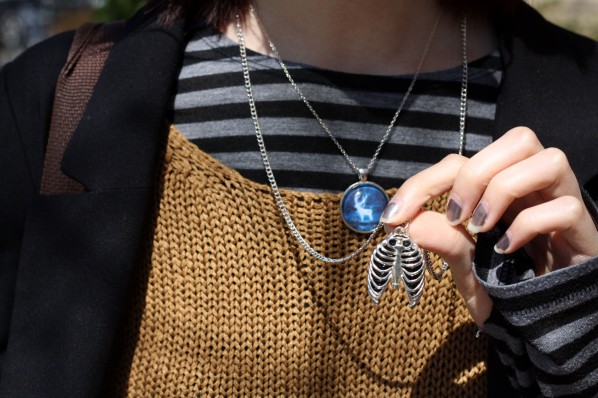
(390, 211)
(503, 243)
(453, 211)
(479, 215)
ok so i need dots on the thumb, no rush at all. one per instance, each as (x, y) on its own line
(454, 244)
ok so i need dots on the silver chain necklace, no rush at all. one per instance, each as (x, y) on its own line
(361, 172)
(389, 130)
(362, 203)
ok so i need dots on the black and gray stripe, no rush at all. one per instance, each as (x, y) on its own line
(211, 110)
(545, 327)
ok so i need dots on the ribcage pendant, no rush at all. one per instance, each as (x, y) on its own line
(398, 259)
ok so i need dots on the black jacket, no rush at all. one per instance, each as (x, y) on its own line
(66, 260)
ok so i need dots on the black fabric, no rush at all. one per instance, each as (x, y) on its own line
(591, 203)
(550, 85)
(76, 260)
(70, 257)
(498, 385)
(26, 95)
(65, 261)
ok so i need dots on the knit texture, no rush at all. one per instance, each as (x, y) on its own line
(88, 53)
(230, 305)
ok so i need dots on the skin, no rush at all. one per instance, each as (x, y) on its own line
(377, 37)
(529, 188)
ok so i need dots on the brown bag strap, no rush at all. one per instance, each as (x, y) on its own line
(87, 56)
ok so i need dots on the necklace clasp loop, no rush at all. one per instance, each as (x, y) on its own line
(363, 175)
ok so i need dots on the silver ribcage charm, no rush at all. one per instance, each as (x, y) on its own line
(399, 259)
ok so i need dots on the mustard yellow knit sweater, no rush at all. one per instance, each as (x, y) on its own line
(228, 304)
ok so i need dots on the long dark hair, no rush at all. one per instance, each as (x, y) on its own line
(218, 13)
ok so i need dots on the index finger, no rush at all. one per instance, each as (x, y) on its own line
(425, 185)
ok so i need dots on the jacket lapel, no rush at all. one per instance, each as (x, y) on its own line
(79, 250)
(119, 137)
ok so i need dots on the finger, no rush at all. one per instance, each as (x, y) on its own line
(566, 215)
(513, 147)
(417, 190)
(430, 231)
(547, 172)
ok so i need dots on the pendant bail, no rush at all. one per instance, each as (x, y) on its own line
(363, 175)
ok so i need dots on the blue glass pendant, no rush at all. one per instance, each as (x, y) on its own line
(362, 205)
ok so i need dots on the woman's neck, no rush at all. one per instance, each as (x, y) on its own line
(380, 37)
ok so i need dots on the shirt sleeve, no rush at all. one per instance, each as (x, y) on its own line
(545, 328)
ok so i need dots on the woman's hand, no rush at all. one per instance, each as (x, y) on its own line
(530, 188)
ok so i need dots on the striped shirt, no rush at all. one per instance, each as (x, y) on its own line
(543, 328)
(211, 110)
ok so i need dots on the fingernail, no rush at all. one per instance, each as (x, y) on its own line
(478, 218)
(391, 210)
(453, 211)
(503, 244)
